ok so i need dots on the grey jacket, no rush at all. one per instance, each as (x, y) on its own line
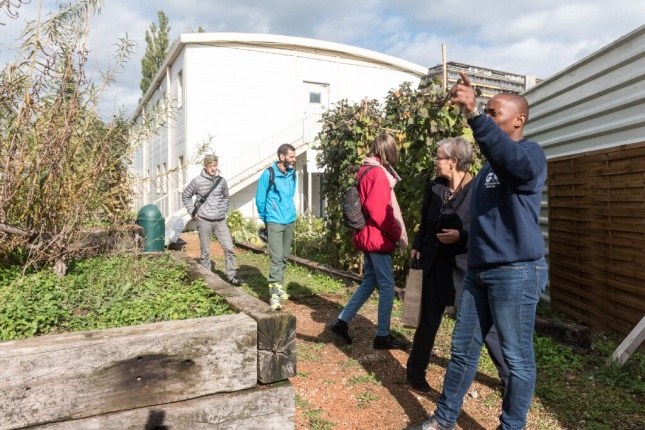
(216, 206)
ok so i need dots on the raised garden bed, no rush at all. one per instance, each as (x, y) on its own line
(228, 371)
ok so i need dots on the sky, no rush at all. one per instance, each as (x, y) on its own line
(538, 37)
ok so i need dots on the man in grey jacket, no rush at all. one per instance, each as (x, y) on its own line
(212, 188)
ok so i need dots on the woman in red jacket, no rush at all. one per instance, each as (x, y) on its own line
(383, 231)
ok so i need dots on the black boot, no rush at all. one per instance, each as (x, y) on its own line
(388, 342)
(340, 328)
(419, 383)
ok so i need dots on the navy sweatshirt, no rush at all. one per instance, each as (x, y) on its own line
(506, 199)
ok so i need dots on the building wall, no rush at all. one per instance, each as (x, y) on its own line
(243, 95)
(594, 107)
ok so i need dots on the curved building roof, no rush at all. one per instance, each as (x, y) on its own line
(287, 43)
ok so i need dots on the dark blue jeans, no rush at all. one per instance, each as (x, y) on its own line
(506, 296)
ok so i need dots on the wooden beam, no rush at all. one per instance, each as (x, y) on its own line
(266, 407)
(83, 374)
(276, 347)
(630, 344)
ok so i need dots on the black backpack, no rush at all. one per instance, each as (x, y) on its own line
(353, 216)
(272, 180)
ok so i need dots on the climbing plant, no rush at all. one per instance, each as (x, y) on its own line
(418, 119)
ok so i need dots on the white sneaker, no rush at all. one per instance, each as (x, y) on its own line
(275, 302)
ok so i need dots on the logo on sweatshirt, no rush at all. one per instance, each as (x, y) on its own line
(491, 180)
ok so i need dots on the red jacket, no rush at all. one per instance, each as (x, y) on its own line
(381, 231)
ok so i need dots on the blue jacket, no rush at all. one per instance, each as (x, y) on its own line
(507, 196)
(276, 205)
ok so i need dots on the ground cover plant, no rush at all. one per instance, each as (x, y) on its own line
(353, 386)
(102, 292)
(308, 235)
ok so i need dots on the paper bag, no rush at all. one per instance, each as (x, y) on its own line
(412, 299)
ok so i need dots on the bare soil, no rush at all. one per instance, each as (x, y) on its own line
(356, 387)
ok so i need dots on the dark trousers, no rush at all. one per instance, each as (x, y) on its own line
(424, 337)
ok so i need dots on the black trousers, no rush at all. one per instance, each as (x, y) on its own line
(431, 313)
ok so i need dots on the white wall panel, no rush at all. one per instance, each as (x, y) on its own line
(597, 103)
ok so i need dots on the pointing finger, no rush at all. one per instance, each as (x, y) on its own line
(465, 78)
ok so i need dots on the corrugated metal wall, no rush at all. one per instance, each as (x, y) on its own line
(595, 108)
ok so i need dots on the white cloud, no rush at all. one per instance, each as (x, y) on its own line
(540, 37)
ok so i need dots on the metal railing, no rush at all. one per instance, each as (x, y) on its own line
(250, 161)
(299, 134)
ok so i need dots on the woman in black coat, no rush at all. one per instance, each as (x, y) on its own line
(441, 245)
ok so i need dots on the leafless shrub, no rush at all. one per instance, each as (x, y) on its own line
(62, 168)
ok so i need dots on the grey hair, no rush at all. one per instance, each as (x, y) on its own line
(459, 148)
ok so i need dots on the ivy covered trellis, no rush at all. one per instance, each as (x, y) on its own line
(418, 119)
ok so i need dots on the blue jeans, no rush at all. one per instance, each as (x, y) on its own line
(506, 296)
(377, 270)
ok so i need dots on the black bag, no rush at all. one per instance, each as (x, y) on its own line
(200, 201)
(263, 234)
(353, 216)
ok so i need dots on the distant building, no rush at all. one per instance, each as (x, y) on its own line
(491, 82)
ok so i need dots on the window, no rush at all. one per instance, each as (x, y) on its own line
(158, 179)
(180, 89)
(164, 178)
(182, 172)
(314, 98)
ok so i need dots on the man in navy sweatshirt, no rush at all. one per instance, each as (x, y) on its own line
(506, 268)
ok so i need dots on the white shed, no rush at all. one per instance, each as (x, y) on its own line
(251, 93)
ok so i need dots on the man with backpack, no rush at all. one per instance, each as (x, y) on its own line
(209, 210)
(274, 199)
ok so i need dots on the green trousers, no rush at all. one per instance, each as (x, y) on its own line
(280, 236)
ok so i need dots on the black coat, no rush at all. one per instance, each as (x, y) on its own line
(447, 261)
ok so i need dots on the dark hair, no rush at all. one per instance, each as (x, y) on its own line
(285, 148)
(384, 147)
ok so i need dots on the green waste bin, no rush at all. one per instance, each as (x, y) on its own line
(154, 228)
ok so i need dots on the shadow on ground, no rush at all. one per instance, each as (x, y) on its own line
(382, 363)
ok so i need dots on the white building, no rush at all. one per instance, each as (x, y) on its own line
(251, 93)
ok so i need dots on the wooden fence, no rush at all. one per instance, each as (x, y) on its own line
(597, 236)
